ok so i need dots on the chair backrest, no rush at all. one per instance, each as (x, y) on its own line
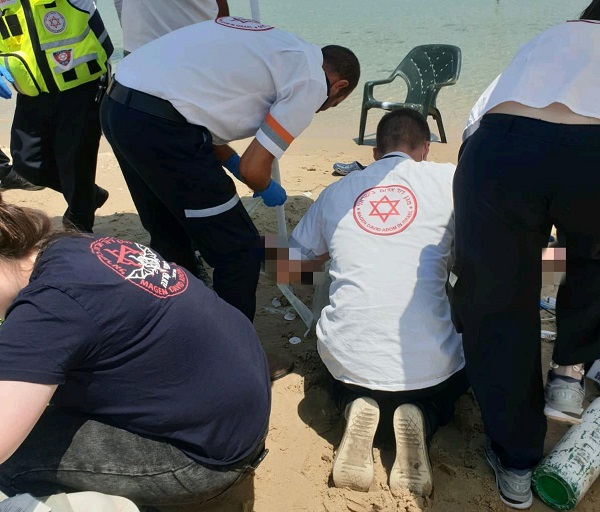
(426, 69)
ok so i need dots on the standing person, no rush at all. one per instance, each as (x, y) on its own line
(144, 21)
(387, 337)
(220, 81)
(159, 390)
(539, 118)
(57, 54)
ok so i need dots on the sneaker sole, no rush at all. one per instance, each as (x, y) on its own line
(412, 468)
(553, 414)
(353, 463)
(518, 506)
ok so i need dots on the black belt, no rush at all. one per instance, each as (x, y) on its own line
(144, 102)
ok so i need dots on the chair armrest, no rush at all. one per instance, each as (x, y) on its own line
(368, 91)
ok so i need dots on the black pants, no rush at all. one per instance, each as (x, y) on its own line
(5, 166)
(436, 402)
(186, 199)
(54, 143)
(516, 177)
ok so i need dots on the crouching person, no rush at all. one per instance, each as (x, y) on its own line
(159, 391)
(386, 337)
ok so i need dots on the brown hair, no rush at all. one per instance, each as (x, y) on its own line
(22, 230)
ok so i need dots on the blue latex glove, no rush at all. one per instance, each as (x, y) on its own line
(232, 164)
(273, 195)
(5, 91)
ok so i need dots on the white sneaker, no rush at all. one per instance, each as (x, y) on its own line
(353, 462)
(564, 400)
(412, 468)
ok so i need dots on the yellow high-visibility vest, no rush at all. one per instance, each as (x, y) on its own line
(52, 45)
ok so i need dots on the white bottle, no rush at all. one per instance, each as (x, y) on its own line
(569, 470)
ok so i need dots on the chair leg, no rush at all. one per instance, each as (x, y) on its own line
(363, 124)
(437, 115)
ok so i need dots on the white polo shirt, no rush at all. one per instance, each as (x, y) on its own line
(560, 65)
(146, 20)
(238, 78)
(389, 231)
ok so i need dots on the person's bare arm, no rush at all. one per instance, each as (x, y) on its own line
(21, 405)
(255, 166)
(223, 152)
(223, 8)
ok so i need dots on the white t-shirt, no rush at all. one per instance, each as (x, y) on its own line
(389, 231)
(238, 78)
(560, 65)
(146, 20)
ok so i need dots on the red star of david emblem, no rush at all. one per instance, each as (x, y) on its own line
(55, 22)
(384, 215)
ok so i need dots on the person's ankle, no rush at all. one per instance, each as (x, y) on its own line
(573, 372)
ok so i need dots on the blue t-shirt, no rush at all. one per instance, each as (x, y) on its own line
(140, 344)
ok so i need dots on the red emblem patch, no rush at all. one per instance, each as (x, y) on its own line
(63, 57)
(141, 266)
(385, 210)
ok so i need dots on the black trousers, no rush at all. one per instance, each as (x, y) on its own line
(516, 177)
(436, 402)
(185, 199)
(54, 143)
(5, 165)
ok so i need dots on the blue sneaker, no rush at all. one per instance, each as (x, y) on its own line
(514, 485)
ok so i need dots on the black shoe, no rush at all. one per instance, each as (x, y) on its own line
(12, 181)
(72, 224)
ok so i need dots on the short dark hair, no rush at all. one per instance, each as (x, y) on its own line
(342, 62)
(402, 127)
(591, 12)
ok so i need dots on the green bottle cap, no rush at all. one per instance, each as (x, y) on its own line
(554, 490)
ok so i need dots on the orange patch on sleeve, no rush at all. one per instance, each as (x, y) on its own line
(278, 129)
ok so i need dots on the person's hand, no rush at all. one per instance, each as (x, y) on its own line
(273, 195)
(5, 91)
(232, 164)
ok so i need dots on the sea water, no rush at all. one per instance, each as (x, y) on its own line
(382, 32)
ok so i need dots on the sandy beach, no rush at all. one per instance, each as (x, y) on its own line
(305, 426)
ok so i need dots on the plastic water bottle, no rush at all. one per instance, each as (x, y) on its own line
(569, 470)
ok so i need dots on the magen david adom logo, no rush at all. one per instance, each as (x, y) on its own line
(385, 210)
(55, 22)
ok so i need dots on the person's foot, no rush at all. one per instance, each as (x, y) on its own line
(70, 223)
(514, 485)
(280, 365)
(13, 181)
(564, 398)
(412, 468)
(353, 462)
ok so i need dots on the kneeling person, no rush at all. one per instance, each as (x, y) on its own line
(159, 390)
(387, 337)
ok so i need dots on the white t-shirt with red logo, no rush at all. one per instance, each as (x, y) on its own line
(560, 65)
(146, 20)
(389, 231)
(238, 78)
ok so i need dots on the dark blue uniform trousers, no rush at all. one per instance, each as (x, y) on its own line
(516, 177)
(185, 199)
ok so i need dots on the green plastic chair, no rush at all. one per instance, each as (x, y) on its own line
(426, 69)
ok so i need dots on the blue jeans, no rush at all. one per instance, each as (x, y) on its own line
(70, 452)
